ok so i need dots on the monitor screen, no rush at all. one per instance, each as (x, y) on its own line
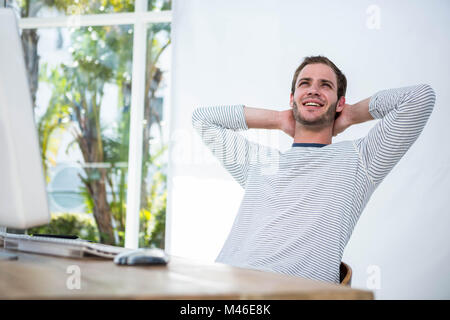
(23, 197)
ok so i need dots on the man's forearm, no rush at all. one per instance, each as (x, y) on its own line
(360, 112)
(261, 118)
(257, 118)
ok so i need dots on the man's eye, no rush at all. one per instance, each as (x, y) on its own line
(327, 84)
(302, 83)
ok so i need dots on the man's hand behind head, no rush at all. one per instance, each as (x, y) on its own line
(287, 122)
(343, 121)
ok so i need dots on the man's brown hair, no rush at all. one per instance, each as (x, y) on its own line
(341, 79)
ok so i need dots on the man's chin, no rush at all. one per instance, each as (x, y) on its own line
(315, 120)
(317, 125)
(318, 122)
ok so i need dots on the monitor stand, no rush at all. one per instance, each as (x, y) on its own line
(5, 255)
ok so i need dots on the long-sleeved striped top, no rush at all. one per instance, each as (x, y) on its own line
(300, 206)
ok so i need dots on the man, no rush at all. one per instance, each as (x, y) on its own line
(301, 206)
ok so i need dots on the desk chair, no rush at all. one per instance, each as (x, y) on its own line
(345, 274)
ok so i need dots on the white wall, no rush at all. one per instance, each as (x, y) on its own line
(233, 52)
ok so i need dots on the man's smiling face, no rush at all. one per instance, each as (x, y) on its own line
(315, 98)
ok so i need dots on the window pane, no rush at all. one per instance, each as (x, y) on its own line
(159, 5)
(155, 158)
(81, 86)
(45, 8)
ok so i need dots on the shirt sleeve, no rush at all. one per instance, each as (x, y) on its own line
(403, 113)
(219, 128)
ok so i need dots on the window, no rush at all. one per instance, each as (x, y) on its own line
(99, 78)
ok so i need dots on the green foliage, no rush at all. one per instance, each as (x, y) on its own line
(153, 218)
(56, 117)
(69, 224)
(91, 7)
(71, 7)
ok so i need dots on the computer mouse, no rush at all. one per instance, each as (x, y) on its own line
(153, 256)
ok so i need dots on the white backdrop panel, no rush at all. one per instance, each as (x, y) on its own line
(245, 52)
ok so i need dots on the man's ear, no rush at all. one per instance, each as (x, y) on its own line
(341, 104)
(291, 100)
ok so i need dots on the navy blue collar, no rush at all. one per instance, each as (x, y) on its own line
(317, 145)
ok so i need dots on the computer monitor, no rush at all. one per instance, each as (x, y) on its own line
(23, 196)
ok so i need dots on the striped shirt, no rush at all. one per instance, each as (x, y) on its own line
(300, 206)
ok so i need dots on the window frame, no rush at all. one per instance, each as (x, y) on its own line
(140, 19)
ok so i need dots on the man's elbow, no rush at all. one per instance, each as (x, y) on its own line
(422, 99)
(197, 117)
(429, 94)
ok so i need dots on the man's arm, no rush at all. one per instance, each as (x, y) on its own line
(257, 118)
(352, 114)
(218, 127)
(403, 113)
(360, 112)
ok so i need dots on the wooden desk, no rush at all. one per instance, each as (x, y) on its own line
(45, 277)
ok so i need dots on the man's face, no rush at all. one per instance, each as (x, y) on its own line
(315, 98)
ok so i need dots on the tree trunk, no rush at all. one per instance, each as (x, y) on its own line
(95, 181)
(30, 40)
(102, 211)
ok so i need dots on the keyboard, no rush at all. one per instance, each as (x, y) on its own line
(75, 248)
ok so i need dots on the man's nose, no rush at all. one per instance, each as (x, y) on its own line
(313, 90)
